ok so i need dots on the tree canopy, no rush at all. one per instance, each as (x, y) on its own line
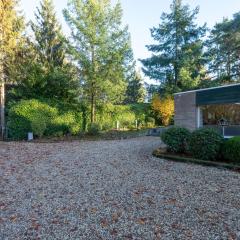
(178, 51)
(136, 91)
(223, 50)
(43, 67)
(11, 27)
(102, 49)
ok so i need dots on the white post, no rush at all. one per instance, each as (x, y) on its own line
(199, 117)
(118, 125)
(30, 136)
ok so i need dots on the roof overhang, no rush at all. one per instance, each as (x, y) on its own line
(218, 95)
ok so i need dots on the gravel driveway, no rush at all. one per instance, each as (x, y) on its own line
(112, 190)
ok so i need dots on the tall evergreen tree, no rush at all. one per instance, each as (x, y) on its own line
(102, 49)
(49, 40)
(43, 70)
(179, 46)
(136, 92)
(223, 50)
(11, 25)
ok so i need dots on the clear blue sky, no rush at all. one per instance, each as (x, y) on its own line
(141, 15)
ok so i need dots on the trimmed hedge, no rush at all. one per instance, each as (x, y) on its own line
(46, 117)
(41, 119)
(176, 139)
(205, 144)
(231, 150)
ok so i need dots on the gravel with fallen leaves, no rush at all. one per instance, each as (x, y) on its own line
(112, 190)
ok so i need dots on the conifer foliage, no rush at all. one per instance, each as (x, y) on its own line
(178, 47)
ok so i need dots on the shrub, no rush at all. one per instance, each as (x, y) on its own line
(150, 122)
(205, 144)
(94, 129)
(67, 123)
(25, 116)
(163, 108)
(109, 114)
(107, 126)
(127, 119)
(38, 126)
(176, 139)
(231, 150)
(41, 119)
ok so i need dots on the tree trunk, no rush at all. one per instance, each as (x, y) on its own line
(2, 109)
(228, 66)
(93, 100)
(93, 108)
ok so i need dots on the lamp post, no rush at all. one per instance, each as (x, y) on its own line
(223, 123)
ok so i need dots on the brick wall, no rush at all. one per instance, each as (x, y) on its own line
(186, 110)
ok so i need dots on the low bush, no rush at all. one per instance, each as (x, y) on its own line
(176, 139)
(205, 144)
(107, 126)
(94, 129)
(38, 126)
(66, 123)
(231, 150)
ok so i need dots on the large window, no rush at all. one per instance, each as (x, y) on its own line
(211, 114)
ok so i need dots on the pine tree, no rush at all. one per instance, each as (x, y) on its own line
(102, 49)
(11, 25)
(179, 45)
(43, 70)
(136, 92)
(49, 40)
(223, 50)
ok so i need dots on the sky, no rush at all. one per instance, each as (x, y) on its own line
(141, 15)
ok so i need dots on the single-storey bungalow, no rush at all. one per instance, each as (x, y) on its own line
(217, 107)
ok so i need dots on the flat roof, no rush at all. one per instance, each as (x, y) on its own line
(206, 89)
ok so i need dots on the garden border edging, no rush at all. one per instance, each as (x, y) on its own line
(232, 167)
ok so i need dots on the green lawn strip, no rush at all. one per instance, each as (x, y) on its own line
(234, 167)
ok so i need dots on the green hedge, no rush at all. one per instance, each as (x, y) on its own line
(41, 119)
(46, 117)
(231, 150)
(176, 139)
(108, 115)
(205, 144)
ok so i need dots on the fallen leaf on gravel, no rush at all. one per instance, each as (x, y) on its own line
(13, 218)
(2, 206)
(35, 225)
(189, 234)
(171, 201)
(104, 223)
(141, 221)
(55, 221)
(115, 217)
(93, 210)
